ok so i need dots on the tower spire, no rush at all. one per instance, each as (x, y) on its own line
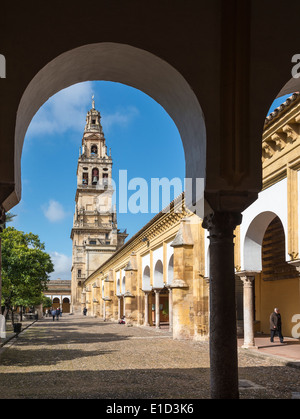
(93, 121)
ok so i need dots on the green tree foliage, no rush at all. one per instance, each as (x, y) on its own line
(25, 269)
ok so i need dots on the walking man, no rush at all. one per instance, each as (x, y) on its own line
(275, 325)
(57, 313)
(53, 313)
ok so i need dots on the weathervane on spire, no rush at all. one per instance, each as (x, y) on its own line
(93, 102)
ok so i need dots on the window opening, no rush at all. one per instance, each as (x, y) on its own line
(95, 176)
(85, 178)
(94, 150)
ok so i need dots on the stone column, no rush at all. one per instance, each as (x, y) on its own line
(170, 310)
(157, 322)
(248, 309)
(146, 320)
(119, 307)
(223, 334)
(104, 309)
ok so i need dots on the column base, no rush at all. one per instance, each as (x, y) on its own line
(249, 346)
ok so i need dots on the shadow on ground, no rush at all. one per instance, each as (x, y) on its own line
(134, 384)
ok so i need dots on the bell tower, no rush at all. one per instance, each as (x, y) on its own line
(95, 236)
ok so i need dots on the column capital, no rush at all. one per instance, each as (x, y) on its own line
(295, 263)
(221, 224)
(156, 290)
(247, 275)
(146, 291)
(247, 280)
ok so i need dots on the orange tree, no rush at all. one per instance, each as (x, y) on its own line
(25, 269)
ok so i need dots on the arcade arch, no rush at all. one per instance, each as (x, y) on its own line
(158, 275)
(66, 305)
(56, 302)
(146, 279)
(252, 248)
(133, 67)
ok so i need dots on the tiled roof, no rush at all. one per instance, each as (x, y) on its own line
(283, 107)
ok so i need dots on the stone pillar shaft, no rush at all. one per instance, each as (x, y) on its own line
(248, 311)
(157, 321)
(223, 334)
(119, 308)
(146, 321)
(170, 310)
(104, 310)
(124, 306)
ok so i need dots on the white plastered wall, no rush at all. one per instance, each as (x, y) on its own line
(271, 202)
(170, 252)
(158, 255)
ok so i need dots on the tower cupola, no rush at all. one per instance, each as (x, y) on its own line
(93, 121)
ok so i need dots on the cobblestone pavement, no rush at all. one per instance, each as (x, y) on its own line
(83, 357)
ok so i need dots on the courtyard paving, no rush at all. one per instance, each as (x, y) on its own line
(82, 357)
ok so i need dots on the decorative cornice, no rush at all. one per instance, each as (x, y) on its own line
(281, 140)
(277, 113)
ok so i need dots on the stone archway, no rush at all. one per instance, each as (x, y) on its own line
(146, 279)
(158, 278)
(66, 305)
(55, 302)
(133, 67)
(253, 241)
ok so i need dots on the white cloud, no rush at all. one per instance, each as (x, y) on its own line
(121, 117)
(62, 266)
(67, 109)
(54, 211)
(64, 111)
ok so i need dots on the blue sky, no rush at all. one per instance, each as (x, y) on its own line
(143, 140)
